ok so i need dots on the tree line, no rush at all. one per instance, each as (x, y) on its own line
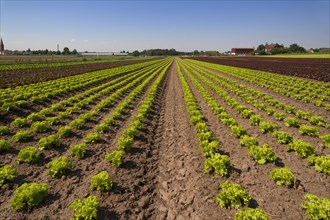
(66, 51)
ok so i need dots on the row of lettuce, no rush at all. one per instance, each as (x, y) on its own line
(11, 67)
(232, 194)
(13, 99)
(306, 91)
(132, 86)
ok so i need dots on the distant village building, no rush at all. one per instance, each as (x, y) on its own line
(2, 48)
(269, 47)
(241, 51)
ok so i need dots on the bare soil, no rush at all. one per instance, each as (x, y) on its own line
(163, 176)
(310, 68)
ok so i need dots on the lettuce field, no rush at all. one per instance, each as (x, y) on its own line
(166, 138)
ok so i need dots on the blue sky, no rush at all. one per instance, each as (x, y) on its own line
(183, 25)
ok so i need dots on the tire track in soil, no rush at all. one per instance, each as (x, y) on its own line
(183, 189)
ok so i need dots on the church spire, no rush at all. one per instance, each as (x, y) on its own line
(2, 47)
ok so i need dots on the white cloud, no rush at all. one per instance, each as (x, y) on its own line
(85, 41)
(72, 40)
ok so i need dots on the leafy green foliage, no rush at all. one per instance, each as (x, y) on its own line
(291, 122)
(267, 127)
(4, 146)
(49, 142)
(251, 214)
(7, 174)
(282, 137)
(92, 138)
(290, 109)
(201, 127)
(28, 155)
(125, 143)
(229, 122)
(279, 116)
(303, 115)
(77, 123)
(18, 123)
(317, 120)
(52, 120)
(205, 136)
(232, 196)
(316, 208)
(29, 195)
(34, 117)
(325, 138)
(321, 163)
(131, 132)
(21, 136)
(270, 111)
(102, 128)
(115, 157)
(78, 150)
(238, 131)
(209, 147)
(282, 176)
(101, 182)
(64, 132)
(59, 167)
(45, 112)
(255, 120)
(262, 154)
(247, 113)
(219, 163)
(248, 141)
(302, 149)
(4, 130)
(308, 130)
(39, 126)
(318, 103)
(327, 107)
(86, 209)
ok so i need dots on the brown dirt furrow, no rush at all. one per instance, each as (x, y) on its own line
(184, 191)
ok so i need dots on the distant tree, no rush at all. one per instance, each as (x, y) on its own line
(74, 52)
(212, 53)
(195, 52)
(66, 51)
(261, 47)
(136, 53)
(279, 51)
(295, 48)
(172, 52)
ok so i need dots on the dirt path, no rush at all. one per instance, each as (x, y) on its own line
(183, 189)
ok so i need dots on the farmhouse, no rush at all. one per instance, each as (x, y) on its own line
(241, 51)
(269, 47)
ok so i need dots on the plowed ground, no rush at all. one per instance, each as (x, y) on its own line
(163, 177)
